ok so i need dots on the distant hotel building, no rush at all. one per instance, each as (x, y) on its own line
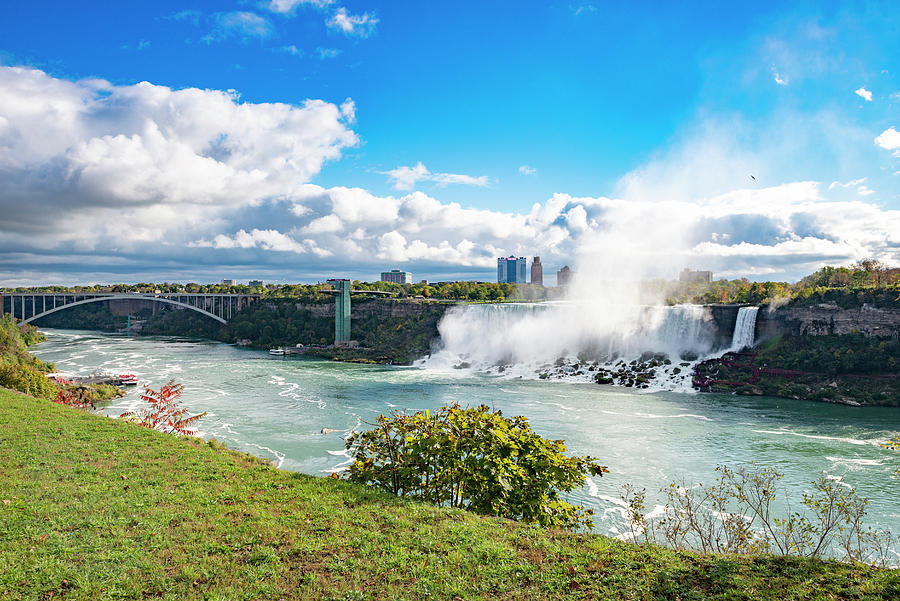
(511, 270)
(564, 276)
(396, 276)
(228, 282)
(255, 283)
(690, 276)
(537, 272)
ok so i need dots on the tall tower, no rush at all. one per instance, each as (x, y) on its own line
(511, 269)
(341, 310)
(537, 272)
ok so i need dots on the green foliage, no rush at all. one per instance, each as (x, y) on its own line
(92, 316)
(867, 281)
(27, 379)
(19, 370)
(832, 354)
(476, 459)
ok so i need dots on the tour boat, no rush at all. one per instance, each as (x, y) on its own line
(276, 351)
(128, 380)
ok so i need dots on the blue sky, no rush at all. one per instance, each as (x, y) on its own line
(620, 122)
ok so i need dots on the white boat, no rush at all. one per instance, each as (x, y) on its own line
(276, 351)
(128, 380)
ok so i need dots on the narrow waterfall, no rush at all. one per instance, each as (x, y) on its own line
(744, 328)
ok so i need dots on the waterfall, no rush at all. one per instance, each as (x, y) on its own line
(744, 328)
(577, 338)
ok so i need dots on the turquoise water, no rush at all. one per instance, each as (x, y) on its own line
(277, 407)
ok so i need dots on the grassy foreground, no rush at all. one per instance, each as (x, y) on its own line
(93, 508)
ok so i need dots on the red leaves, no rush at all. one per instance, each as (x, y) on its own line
(164, 413)
(71, 399)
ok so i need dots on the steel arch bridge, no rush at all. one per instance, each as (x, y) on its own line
(27, 307)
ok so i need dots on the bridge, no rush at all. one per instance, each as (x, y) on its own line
(342, 292)
(27, 307)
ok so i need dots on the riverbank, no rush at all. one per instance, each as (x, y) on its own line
(97, 508)
(850, 369)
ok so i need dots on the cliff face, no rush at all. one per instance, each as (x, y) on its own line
(816, 320)
(822, 319)
(382, 308)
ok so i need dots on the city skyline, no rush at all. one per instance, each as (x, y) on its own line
(296, 140)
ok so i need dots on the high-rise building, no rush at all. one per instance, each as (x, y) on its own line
(511, 270)
(564, 276)
(691, 276)
(396, 276)
(228, 282)
(255, 283)
(537, 272)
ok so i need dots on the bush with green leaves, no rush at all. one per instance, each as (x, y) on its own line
(476, 459)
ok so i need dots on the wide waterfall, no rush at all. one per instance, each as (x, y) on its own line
(744, 328)
(575, 340)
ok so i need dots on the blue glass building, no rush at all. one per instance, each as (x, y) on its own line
(511, 269)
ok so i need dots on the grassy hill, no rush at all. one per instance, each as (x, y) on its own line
(94, 508)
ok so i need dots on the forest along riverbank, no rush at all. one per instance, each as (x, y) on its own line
(277, 408)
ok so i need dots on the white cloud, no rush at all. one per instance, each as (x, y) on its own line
(288, 6)
(406, 178)
(583, 9)
(782, 81)
(864, 94)
(292, 49)
(149, 178)
(889, 139)
(324, 53)
(162, 160)
(240, 25)
(355, 25)
(526, 170)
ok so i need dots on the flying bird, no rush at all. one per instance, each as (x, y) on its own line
(753, 178)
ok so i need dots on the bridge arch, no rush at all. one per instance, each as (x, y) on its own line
(126, 297)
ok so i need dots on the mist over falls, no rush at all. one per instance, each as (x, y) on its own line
(653, 346)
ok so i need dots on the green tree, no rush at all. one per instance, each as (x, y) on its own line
(476, 459)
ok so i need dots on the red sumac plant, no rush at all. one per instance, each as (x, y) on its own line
(165, 412)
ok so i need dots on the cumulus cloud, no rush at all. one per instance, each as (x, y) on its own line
(864, 94)
(142, 181)
(353, 25)
(526, 170)
(788, 229)
(158, 159)
(889, 139)
(406, 178)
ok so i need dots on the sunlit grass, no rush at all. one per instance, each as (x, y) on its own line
(94, 508)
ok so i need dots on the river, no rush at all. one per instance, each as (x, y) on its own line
(277, 407)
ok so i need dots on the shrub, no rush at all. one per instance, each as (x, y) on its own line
(70, 398)
(476, 459)
(25, 378)
(165, 413)
(737, 515)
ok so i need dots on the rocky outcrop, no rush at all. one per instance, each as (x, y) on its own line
(828, 318)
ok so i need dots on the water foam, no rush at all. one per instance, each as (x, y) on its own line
(572, 340)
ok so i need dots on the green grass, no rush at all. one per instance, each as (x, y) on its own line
(94, 508)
